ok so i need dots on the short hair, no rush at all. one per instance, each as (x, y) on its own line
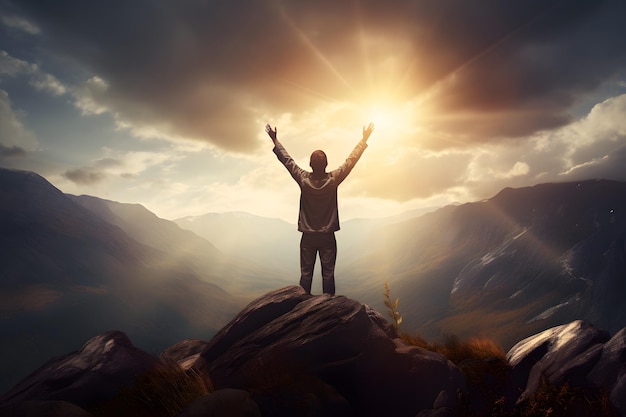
(318, 161)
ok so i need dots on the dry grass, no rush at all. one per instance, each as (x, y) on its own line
(162, 392)
(487, 371)
(564, 401)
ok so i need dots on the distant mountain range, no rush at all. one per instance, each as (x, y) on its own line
(275, 242)
(71, 266)
(507, 267)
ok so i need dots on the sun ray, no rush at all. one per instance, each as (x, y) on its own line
(318, 94)
(318, 54)
(488, 49)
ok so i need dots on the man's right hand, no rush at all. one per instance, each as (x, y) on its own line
(271, 132)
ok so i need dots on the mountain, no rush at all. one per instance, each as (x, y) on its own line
(270, 242)
(74, 266)
(507, 267)
(275, 243)
(520, 262)
(184, 249)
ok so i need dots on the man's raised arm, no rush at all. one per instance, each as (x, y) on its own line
(342, 172)
(283, 156)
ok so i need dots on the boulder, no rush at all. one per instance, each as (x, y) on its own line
(562, 354)
(610, 371)
(577, 354)
(89, 376)
(612, 361)
(346, 345)
(185, 353)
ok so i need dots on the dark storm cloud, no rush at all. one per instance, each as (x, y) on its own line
(206, 69)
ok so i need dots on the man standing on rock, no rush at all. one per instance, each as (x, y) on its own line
(319, 218)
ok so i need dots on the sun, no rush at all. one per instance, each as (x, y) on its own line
(394, 118)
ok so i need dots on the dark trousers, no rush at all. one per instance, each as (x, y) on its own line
(310, 245)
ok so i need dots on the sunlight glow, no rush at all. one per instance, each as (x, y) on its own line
(396, 120)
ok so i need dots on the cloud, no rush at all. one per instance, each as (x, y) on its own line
(12, 151)
(596, 143)
(94, 173)
(14, 67)
(609, 166)
(15, 139)
(126, 165)
(21, 24)
(208, 71)
(84, 176)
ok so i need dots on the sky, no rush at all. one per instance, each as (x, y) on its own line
(164, 103)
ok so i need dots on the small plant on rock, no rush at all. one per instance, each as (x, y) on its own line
(392, 307)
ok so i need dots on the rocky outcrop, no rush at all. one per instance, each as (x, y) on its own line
(577, 354)
(340, 346)
(289, 353)
(89, 376)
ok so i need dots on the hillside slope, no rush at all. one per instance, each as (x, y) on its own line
(67, 273)
(525, 260)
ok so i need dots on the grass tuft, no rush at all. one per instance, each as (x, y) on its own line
(564, 401)
(162, 392)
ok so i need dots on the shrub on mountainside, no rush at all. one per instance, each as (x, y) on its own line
(487, 371)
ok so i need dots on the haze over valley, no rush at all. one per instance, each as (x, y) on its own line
(507, 267)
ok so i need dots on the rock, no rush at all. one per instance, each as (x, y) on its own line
(223, 403)
(184, 353)
(86, 377)
(562, 354)
(45, 409)
(258, 313)
(610, 371)
(577, 354)
(612, 361)
(290, 394)
(339, 341)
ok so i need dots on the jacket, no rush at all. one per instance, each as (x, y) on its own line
(318, 192)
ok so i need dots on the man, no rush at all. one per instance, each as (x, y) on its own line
(319, 218)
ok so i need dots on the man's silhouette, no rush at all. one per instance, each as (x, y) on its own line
(319, 218)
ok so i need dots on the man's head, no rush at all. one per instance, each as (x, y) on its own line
(318, 161)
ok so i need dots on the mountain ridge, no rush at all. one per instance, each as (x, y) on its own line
(539, 252)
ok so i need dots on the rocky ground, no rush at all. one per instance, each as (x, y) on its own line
(290, 354)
